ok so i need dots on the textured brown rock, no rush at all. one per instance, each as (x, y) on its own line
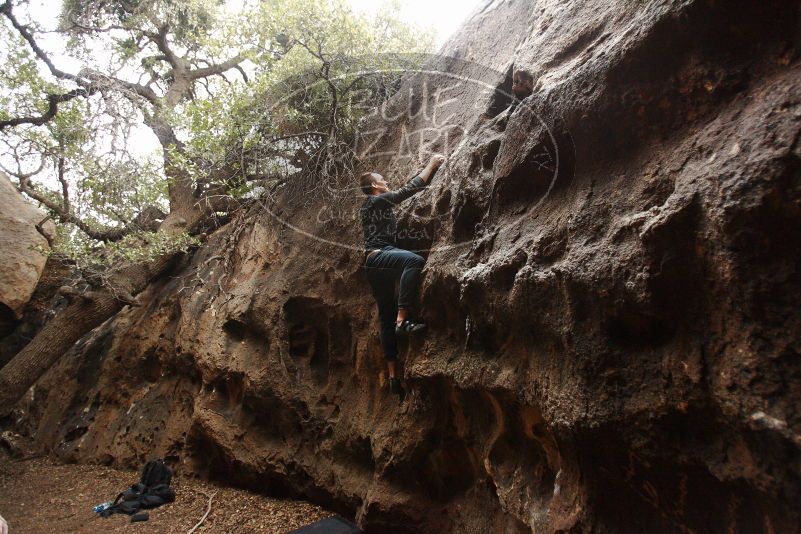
(24, 251)
(615, 349)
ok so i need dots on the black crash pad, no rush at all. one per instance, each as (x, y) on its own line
(329, 525)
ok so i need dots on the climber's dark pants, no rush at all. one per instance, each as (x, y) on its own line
(383, 269)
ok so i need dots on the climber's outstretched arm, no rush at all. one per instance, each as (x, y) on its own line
(433, 164)
(416, 184)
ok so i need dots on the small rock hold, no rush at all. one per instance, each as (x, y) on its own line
(763, 420)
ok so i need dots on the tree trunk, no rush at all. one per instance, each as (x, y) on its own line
(186, 211)
(85, 314)
(56, 338)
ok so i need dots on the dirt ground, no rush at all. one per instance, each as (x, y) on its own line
(41, 496)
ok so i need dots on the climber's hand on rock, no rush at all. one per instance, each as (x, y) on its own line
(437, 160)
(3, 526)
(433, 164)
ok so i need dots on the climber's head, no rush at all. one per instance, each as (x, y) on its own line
(373, 183)
(522, 83)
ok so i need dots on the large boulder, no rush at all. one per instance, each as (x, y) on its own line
(612, 289)
(23, 248)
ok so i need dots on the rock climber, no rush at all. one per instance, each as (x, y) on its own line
(522, 84)
(385, 263)
(522, 87)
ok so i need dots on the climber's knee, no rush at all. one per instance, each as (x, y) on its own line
(415, 261)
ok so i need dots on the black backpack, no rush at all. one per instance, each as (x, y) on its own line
(152, 490)
(155, 473)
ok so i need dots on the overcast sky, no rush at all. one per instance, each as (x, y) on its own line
(444, 16)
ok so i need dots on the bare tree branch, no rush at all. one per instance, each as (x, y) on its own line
(219, 68)
(160, 40)
(52, 108)
(19, 174)
(5, 9)
(103, 80)
(302, 134)
(58, 208)
(47, 235)
(94, 29)
(90, 84)
(106, 235)
(65, 190)
(242, 72)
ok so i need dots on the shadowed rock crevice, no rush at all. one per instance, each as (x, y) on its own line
(536, 158)
(502, 96)
(225, 393)
(216, 463)
(467, 213)
(484, 156)
(8, 321)
(475, 442)
(443, 312)
(308, 334)
(356, 453)
(529, 180)
(236, 329)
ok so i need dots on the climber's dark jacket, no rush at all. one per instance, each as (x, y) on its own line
(378, 220)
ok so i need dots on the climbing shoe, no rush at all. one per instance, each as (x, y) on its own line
(409, 327)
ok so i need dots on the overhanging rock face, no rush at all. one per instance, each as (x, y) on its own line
(612, 290)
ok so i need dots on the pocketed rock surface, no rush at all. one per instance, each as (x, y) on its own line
(612, 289)
(40, 496)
